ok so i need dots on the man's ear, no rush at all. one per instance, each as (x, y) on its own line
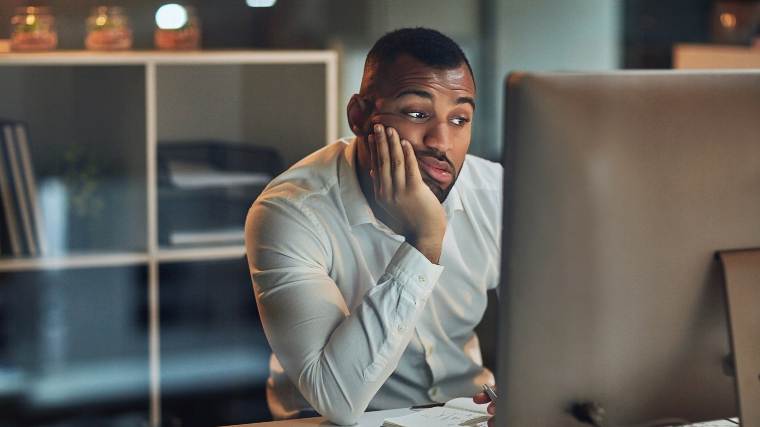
(358, 111)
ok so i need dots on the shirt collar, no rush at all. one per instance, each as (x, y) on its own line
(356, 205)
(453, 201)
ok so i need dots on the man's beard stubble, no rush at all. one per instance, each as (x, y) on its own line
(440, 193)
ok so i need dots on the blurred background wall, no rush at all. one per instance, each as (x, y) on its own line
(498, 35)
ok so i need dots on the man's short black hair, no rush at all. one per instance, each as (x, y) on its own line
(428, 46)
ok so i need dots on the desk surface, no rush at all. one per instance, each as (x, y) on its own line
(375, 419)
(369, 419)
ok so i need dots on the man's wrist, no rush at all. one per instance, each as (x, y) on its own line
(429, 246)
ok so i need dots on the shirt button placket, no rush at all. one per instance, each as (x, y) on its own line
(428, 349)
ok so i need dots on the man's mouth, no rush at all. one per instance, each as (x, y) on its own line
(438, 170)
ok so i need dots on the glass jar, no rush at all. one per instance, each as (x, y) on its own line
(108, 29)
(177, 28)
(33, 29)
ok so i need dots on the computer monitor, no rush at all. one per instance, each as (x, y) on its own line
(619, 189)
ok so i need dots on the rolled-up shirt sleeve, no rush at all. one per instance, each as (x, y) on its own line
(338, 358)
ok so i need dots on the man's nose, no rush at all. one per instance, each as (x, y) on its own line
(438, 136)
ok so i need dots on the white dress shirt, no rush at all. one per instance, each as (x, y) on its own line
(356, 317)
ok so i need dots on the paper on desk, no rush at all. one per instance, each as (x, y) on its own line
(439, 416)
(467, 404)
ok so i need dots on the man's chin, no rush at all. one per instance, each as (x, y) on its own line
(440, 193)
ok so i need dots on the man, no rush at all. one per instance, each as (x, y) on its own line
(371, 257)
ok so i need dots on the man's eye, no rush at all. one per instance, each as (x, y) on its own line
(460, 121)
(416, 114)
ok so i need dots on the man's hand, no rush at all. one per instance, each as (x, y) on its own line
(481, 398)
(408, 206)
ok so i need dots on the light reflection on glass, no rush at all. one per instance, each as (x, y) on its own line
(260, 3)
(171, 17)
(728, 20)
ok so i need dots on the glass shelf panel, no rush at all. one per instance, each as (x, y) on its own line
(214, 355)
(86, 132)
(73, 347)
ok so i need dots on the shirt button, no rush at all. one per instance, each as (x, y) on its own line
(401, 328)
(433, 393)
(421, 278)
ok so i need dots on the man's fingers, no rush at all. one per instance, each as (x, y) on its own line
(412, 168)
(398, 171)
(383, 163)
(481, 398)
(373, 161)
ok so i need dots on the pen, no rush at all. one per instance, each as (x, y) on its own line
(490, 392)
(429, 405)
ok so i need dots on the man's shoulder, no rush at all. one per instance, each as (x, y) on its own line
(314, 175)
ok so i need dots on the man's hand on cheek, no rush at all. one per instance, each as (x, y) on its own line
(409, 206)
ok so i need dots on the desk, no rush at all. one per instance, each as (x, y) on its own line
(375, 419)
(369, 419)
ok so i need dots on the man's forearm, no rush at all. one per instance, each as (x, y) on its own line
(339, 359)
(341, 380)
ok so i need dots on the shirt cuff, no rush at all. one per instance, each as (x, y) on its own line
(409, 267)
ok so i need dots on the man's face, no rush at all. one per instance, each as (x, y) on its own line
(433, 110)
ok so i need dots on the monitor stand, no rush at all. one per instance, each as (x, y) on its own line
(741, 272)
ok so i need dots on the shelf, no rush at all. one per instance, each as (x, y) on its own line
(96, 122)
(84, 57)
(694, 56)
(201, 254)
(73, 261)
(120, 259)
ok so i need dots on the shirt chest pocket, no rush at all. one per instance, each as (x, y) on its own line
(458, 304)
(459, 300)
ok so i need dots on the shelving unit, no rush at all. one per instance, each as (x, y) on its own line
(117, 108)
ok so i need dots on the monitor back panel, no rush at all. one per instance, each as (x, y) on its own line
(619, 189)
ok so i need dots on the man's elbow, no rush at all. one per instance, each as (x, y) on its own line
(339, 403)
(340, 408)
(342, 416)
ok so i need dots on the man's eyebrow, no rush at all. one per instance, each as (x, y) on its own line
(424, 94)
(418, 92)
(466, 100)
